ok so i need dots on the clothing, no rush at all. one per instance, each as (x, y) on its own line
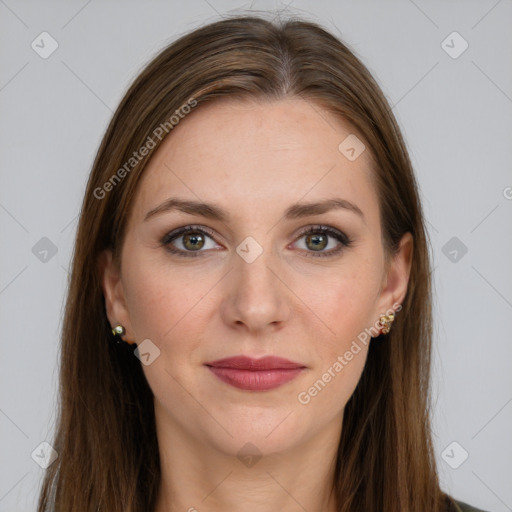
(464, 507)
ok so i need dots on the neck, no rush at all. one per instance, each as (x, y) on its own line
(200, 477)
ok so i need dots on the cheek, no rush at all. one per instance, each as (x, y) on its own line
(160, 299)
(345, 299)
(345, 302)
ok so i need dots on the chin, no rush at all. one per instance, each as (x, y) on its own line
(230, 428)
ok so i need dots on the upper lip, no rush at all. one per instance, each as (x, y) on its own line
(249, 363)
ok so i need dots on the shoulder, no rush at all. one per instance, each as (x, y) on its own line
(464, 507)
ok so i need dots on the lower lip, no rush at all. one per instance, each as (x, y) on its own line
(256, 380)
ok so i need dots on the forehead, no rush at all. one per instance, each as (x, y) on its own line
(252, 155)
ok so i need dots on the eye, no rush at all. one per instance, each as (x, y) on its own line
(190, 241)
(316, 239)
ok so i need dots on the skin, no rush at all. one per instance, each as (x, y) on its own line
(253, 159)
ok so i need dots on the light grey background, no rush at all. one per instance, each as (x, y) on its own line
(456, 114)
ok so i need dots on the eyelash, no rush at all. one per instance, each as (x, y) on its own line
(318, 229)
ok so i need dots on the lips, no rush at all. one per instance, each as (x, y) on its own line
(255, 374)
(248, 363)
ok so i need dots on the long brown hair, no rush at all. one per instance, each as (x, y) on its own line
(106, 440)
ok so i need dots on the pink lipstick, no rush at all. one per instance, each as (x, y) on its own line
(255, 374)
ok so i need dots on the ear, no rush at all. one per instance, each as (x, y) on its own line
(397, 276)
(112, 285)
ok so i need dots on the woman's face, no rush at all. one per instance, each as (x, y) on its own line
(252, 283)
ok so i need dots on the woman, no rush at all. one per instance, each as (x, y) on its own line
(248, 323)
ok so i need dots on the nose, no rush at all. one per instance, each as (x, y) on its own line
(256, 296)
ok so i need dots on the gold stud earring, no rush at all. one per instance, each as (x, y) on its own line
(385, 322)
(118, 330)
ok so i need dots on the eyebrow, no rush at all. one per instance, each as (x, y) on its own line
(212, 211)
